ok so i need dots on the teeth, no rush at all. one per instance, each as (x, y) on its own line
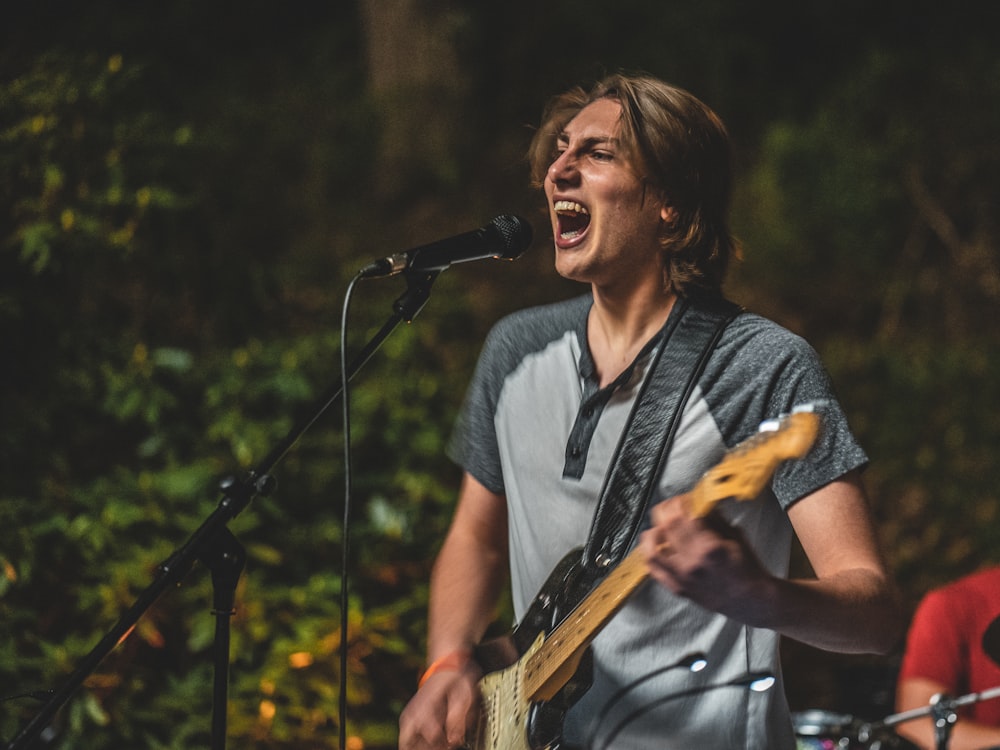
(571, 210)
(569, 207)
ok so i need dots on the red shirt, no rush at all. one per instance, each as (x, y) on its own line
(945, 640)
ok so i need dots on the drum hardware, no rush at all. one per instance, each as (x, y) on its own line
(826, 730)
(942, 709)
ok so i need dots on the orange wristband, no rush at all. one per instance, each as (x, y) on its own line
(451, 662)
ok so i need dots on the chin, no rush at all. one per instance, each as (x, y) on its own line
(572, 272)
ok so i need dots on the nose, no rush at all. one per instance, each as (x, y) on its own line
(563, 168)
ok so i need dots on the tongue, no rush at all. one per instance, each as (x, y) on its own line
(573, 223)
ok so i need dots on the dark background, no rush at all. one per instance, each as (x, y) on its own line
(186, 190)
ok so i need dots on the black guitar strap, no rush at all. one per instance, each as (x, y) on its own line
(687, 340)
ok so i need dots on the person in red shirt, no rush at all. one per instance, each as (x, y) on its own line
(945, 656)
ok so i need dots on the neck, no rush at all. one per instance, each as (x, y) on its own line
(618, 327)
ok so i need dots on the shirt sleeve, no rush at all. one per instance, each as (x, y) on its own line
(762, 370)
(473, 443)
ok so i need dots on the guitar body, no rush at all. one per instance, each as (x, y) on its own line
(511, 720)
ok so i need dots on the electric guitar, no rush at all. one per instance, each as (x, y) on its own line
(523, 704)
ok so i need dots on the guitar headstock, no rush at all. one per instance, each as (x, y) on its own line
(746, 469)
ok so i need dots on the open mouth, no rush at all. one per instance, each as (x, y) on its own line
(573, 219)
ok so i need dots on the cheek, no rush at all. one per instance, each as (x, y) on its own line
(630, 201)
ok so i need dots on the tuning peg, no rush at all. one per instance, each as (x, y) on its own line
(811, 406)
(769, 425)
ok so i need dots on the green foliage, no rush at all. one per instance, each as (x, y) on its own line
(880, 188)
(114, 531)
(73, 176)
(865, 224)
(928, 416)
(133, 388)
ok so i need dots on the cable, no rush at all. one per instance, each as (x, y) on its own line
(345, 534)
(756, 681)
(695, 662)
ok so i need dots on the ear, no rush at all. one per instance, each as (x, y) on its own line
(668, 215)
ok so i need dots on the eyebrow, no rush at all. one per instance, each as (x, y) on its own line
(563, 137)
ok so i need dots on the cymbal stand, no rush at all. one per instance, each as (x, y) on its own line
(942, 709)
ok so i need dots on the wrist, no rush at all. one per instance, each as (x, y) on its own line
(453, 661)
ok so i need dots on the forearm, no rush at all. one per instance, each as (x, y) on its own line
(854, 611)
(852, 605)
(465, 587)
(469, 572)
(466, 582)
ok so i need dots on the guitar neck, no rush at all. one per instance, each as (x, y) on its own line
(568, 640)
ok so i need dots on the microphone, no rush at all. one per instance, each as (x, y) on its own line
(991, 640)
(506, 237)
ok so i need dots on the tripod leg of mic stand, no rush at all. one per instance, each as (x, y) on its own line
(220, 688)
(225, 557)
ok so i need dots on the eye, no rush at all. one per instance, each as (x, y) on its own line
(601, 155)
(557, 150)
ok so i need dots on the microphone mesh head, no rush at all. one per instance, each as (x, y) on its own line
(516, 234)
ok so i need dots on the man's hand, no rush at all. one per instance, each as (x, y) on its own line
(443, 712)
(705, 560)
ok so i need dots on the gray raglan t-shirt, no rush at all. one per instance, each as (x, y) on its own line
(536, 429)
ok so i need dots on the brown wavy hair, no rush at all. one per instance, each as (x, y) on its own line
(681, 149)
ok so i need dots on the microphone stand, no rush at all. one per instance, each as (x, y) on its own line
(942, 709)
(217, 548)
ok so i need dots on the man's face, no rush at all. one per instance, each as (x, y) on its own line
(605, 221)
